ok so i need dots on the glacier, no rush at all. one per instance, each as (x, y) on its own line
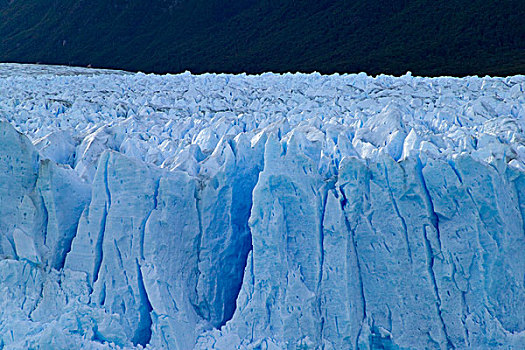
(294, 211)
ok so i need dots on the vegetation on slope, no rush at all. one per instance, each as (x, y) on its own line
(427, 37)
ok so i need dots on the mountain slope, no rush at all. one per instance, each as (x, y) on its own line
(427, 37)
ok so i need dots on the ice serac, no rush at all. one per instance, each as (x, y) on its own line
(43, 309)
(41, 202)
(49, 215)
(407, 257)
(224, 204)
(153, 243)
(170, 266)
(58, 146)
(480, 269)
(278, 302)
(18, 174)
(386, 214)
(109, 245)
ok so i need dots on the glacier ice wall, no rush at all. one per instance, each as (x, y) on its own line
(267, 212)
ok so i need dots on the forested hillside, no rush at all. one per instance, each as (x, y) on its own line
(427, 37)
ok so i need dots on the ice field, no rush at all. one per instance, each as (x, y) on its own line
(295, 211)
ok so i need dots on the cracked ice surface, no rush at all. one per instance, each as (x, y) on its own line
(262, 212)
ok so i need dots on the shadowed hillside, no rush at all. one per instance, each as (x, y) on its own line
(453, 37)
